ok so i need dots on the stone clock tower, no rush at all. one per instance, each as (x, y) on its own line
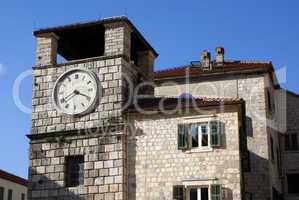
(78, 138)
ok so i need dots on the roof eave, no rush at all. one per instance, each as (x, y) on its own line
(93, 23)
(263, 70)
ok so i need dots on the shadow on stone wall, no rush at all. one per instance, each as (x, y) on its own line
(132, 150)
(42, 188)
(256, 181)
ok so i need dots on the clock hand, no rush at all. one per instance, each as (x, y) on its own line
(73, 94)
(88, 97)
(69, 95)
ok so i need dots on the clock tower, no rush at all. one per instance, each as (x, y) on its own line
(83, 80)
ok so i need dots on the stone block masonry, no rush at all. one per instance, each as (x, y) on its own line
(155, 164)
(104, 168)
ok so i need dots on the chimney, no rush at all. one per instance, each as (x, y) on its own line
(206, 59)
(219, 55)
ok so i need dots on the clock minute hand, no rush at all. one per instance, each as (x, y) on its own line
(70, 96)
(88, 97)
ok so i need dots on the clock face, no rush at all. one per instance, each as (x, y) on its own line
(76, 92)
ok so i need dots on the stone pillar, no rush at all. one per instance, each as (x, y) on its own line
(117, 39)
(46, 51)
(146, 61)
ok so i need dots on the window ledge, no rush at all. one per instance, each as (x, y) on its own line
(199, 150)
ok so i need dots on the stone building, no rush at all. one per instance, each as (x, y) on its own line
(105, 125)
(12, 187)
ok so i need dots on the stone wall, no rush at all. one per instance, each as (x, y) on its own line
(252, 89)
(155, 164)
(104, 168)
(290, 158)
(45, 118)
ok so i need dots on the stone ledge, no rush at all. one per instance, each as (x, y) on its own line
(72, 62)
(113, 130)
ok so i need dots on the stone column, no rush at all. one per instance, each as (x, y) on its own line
(146, 61)
(117, 39)
(46, 51)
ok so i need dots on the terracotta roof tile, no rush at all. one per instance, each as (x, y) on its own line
(226, 67)
(13, 178)
(181, 103)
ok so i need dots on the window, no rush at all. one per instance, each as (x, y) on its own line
(291, 142)
(272, 148)
(1, 193)
(9, 195)
(23, 196)
(74, 171)
(275, 194)
(293, 182)
(199, 193)
(199, 135)
(270, 101)
(212, 192)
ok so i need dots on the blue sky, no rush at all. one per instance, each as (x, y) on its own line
(179, 30)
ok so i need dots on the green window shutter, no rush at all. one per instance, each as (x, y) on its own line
(215, 131)
(178, 192)
(216, 192)
(183, 136)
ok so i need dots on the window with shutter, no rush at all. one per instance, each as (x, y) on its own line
(183, 136)
(178, 192)
(199, 135)
(216, 192)
(215, 133)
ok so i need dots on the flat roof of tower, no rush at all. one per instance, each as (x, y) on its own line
(92, 24)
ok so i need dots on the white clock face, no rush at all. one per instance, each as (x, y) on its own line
(76, 92)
